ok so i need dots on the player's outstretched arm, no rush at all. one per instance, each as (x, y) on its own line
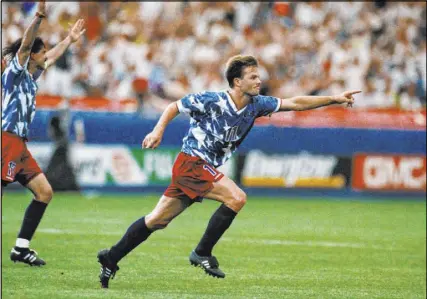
(301, 103)
(153, 139)
(75, 33)
(31, 33)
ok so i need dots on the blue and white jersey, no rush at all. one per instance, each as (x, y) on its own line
(18, 98)
(216, 127)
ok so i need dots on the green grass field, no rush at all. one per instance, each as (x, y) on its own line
(276, 248)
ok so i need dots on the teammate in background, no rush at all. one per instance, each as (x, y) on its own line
(219, 123)
(27, 59)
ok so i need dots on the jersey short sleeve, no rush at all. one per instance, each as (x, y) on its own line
(266, 105)
(192, 104)
(12, 75)
(15, 67)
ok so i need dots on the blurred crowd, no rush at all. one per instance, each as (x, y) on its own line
(159, 51)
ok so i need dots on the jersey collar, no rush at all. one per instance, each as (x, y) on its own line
(230, 101)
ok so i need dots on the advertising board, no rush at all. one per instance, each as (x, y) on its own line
(389, 172)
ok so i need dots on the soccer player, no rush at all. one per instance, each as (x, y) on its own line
(220, 121)
(27, 59)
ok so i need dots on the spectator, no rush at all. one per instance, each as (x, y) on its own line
(307, 48)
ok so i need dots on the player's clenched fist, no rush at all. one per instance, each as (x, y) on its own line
(152, 140)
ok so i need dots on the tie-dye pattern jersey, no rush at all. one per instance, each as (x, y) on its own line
(18, 98)
(216, 127)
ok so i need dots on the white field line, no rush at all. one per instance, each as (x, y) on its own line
(248, 241)
(76, 232)
(309, 243)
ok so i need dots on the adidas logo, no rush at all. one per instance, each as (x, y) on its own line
(206, 264)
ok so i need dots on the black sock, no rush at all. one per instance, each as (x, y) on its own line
(32, 217)
(137, 233)
(218, 224)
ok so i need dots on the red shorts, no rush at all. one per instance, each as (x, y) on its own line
(17, 164)
(192, 177)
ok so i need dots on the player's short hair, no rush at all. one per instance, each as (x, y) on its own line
(10, 51)
(235, 66)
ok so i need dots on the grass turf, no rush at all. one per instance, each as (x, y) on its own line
(276, 248)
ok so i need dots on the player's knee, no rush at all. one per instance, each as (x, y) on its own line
(160, 225)
(241, 198)
(45, 194)
(238, 200)
(154, 222)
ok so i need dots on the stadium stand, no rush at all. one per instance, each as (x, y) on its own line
(150, 53)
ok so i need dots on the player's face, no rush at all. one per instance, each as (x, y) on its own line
(39, 58)
(251, 82)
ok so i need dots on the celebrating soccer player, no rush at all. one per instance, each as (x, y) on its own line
(220, 121)
(27, 59)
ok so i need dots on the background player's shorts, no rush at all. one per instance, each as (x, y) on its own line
(17, 163)
(192, 177)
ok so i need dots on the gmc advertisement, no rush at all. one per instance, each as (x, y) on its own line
(382, 172)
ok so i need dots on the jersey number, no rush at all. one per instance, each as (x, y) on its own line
(231, 134)
(208, 168)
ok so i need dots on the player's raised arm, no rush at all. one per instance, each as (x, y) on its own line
(300, 103)
(153, 139)
(75, 33)
(31, 33)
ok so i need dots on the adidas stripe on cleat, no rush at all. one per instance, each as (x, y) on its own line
(108, 269)
(208, 263)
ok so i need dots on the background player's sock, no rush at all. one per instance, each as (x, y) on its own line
(137, 233)
(22, 243)
(218, 224)
(32, 217)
